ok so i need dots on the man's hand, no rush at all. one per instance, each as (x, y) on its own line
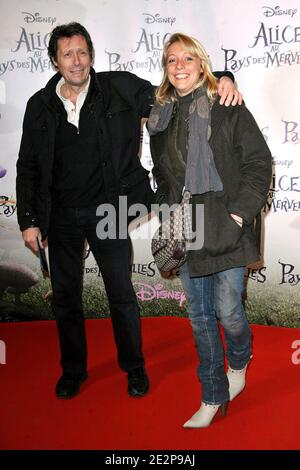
(228, 92)
(29, 236)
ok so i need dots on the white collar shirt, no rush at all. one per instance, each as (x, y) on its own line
(73, 111)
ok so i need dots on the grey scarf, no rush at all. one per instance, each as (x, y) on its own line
(201, 174)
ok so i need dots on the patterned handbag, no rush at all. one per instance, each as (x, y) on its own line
(169, 243)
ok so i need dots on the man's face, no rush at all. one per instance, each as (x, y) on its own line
(73, 60)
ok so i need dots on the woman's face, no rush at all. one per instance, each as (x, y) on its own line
(183, 69)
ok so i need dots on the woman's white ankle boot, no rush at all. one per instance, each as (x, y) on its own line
(204, 416)
(237, 381)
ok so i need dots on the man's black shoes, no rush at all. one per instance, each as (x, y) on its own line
(138, 382)
(68, 385)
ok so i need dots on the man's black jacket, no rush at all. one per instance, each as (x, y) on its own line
(120, 102)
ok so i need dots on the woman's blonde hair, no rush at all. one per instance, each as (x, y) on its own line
(166, 91)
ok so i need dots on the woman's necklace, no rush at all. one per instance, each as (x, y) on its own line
(185, 122)
(184, 104)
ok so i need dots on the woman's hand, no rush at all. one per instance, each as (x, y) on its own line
(237, 219)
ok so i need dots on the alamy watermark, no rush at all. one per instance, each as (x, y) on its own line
(114, 221)
(2, 352)
(296, 354)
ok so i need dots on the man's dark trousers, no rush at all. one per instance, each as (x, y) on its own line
(69, 227)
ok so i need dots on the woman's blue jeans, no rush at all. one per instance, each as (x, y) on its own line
(212, 298)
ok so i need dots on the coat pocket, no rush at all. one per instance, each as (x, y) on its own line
(221, 232)
(136, 186)
(132, 179)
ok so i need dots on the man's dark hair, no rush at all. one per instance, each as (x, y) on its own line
(67, 31)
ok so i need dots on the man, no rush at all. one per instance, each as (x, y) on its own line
(79, 150)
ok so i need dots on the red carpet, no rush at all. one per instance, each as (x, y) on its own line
(265, 416)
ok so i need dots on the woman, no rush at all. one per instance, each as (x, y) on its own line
(219, 155)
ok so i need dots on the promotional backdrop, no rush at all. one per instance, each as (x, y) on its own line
(259, 42)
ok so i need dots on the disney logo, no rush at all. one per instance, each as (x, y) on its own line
(37, 18)
(158, 19)
(145, 292)
(269, 11)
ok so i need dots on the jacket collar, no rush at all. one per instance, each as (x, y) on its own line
(49, 90)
